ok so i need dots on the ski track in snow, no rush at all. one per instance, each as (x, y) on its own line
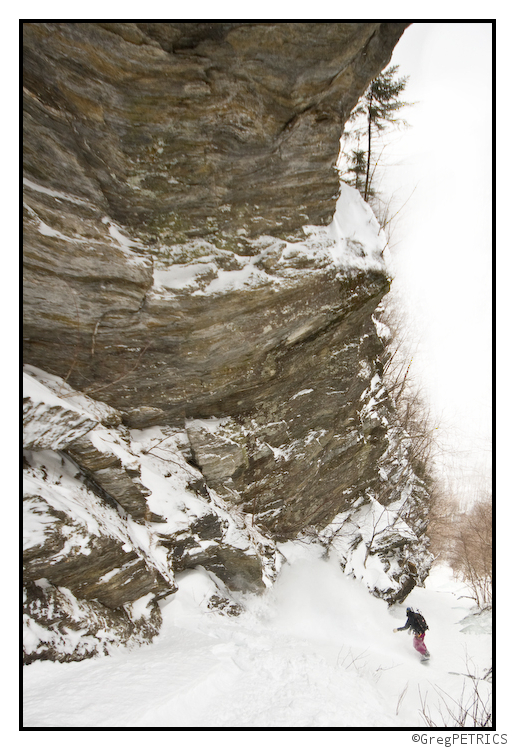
(316, 650)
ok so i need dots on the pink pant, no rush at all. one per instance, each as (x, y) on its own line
(419, 645)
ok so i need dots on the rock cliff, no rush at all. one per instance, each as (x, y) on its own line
(203, 373)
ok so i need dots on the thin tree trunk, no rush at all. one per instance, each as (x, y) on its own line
(367, 180)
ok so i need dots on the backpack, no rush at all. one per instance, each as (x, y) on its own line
(419, 623)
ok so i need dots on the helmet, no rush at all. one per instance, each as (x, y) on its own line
(408, 610)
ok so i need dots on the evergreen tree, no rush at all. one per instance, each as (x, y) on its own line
(358, 168)
(378, 107)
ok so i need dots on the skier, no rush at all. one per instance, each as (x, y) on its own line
(417, 625)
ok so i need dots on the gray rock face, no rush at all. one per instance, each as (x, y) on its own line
(61, 627)
(160, 124)
(49, 422)
(219, 456)
(100, 553)
(140, 138)
(201, 311)
(107, 471)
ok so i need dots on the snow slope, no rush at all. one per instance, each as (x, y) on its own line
(315, 650)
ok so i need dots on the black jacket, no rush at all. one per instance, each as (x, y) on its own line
(410, 623)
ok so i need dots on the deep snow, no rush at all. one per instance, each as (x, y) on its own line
(315, 650)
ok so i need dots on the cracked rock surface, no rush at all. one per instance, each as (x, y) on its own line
(203, 364)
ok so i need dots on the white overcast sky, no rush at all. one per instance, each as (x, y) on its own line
(442, 243)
